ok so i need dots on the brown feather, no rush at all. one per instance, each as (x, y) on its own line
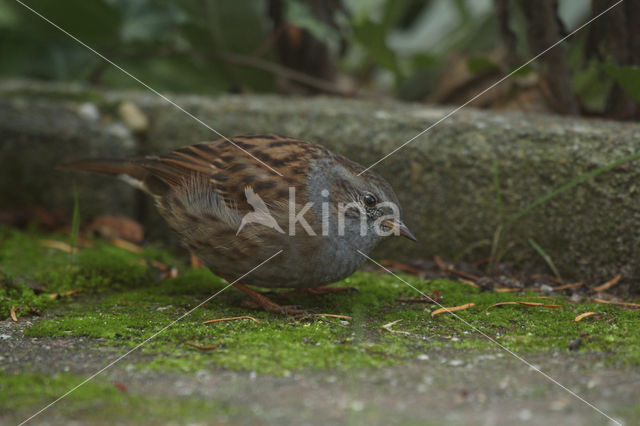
(110, 167)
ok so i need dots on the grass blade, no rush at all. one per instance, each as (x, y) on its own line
(546, 258)
(75, 222)
(580, 179)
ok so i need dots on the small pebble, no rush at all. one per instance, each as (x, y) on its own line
(89, 111)
(546, 289)
(357, 405)
(133, 117)
(575, 344)
(559, 404)
(525, 415)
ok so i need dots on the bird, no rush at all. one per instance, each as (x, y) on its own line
(260, 215)
(331, 210)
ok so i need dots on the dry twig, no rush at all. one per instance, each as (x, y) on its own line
(232, 319)
(452, 309)
(525, 304)
(610, 302)
(568, 286)
(124, 244)
(433, 298)
(202, 348)
(58, 245)
(583, 315)
(63, 294)
(607, 285)
(387, 327)
(469, 282)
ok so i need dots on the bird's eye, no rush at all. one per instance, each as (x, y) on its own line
(370, 200)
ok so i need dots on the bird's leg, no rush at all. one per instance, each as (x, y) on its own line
(317, 291)
(266, 304)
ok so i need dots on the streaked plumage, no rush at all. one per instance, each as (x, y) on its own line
(200, 191)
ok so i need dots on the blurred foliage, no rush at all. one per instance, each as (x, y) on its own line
(410, 49)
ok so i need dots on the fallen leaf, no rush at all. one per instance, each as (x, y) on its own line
(202, 348)
(171, 273)
(111, 227)
(58, 245)
(120, 386)
(608, 284)
(153, 263)
(440, 263)
(583, 315)
(506, 289)
(195, 261)
(464, 274)
(451, 269)
(124, 244)
(452, 309)
(14, 317)
(469, 282)
(525, 304)
(633, 305)
(554, 279)
(63, 294)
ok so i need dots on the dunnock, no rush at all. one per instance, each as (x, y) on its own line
(233, 212)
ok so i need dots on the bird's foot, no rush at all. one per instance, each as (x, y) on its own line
(261, 301)
(317, 291)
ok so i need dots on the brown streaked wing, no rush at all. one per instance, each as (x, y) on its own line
(230, 170)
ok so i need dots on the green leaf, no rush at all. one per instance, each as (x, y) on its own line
(591, 86)
(300, 15)
(372, 36)
(95, 22)
(179, 73)
(480, 64)
(628, 77)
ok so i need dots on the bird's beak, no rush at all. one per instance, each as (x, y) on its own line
(404, 231)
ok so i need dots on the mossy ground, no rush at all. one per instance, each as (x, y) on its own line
(99, 401)
(122, 302)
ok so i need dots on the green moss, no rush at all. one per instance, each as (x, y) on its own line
(21, 395)
(122, 303)
(62, 94)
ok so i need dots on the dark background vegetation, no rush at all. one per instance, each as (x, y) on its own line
(435, 51)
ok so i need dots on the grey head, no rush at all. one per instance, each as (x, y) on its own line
(363, 208)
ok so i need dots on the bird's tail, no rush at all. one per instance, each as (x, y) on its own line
(125, 170)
